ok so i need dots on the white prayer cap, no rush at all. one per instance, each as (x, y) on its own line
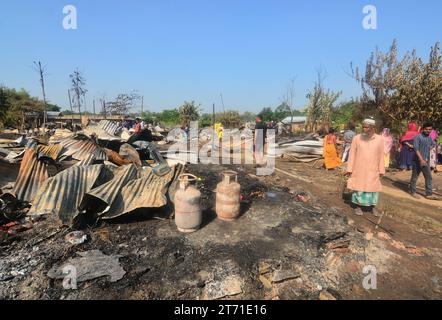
(370, 122)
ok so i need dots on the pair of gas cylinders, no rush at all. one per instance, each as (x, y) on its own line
(188, 215)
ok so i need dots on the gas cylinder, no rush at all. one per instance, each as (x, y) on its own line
(188, 214)
(228, 197)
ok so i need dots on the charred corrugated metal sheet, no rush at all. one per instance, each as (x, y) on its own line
(33, 173)
(60, 135)
(101, 198)
(86, 162)
(109, 126)
(103, 190)
(148, 191)
(51, 151)
(81, 147)
(63, 193)
(97, 130)
(174, 184)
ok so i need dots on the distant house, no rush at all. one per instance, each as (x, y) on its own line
(35, 119)
(53, 115)
(296, 124)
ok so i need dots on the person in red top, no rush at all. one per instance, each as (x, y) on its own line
(137, 126)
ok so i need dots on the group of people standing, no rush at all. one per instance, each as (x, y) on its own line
(408, 151)
(368, 155)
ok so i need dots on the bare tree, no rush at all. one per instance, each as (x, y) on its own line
(123, 103)
(42, 72)
(320, 107)
(78, 83)
(289, 97)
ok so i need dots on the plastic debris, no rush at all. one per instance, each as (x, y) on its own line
(76, 237)
(91, 265)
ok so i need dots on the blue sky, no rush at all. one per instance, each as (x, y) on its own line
(171, 51)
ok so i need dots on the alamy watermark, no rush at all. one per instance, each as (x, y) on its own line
(235, 147)
(70, 278)
(70, 19)
(370, 21)
(370, 281)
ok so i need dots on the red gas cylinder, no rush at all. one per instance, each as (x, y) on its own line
(188, 214)
(228, 194)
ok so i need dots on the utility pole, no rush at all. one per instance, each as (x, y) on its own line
(213, 116)
(142, 106)
(93, 104)
(85, 104)
(79, 109)
(104, 108)
(214, 135)
(41, 71)
(72, 110)
(222, 102)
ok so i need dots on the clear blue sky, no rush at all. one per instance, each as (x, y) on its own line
(171, 51)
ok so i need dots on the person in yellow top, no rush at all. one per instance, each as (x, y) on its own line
(219, 130)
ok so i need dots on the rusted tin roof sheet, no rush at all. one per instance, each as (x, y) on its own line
(63, 193)
(51, 151)
(174, 184)
(102, 134)
(102, 197)
(148, 191)
(86, 162)
(104, 190)
(109, 126)
(60, 135)
(33, 173)
(81, 147)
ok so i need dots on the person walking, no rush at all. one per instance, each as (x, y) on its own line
(388, 144)
(423, 144)
(260, 140)
(407, 149)
(331, 159)
(365, 168)
(348, 138)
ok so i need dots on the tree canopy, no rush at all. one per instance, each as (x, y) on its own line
(396, 90)
(14, 104)
(189, 112)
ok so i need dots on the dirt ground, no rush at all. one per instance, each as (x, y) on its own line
(279, 248)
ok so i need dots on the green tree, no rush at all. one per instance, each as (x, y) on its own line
(3, 106)
(150, 117)
(205, 120)
(229, 119)
(344, 113)
(52, 107)
(321, 104)
(267, 114)
(282, 111)
(169, 117)
(188, 112)
(407, 89)
(248, 116)
(14, 105)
